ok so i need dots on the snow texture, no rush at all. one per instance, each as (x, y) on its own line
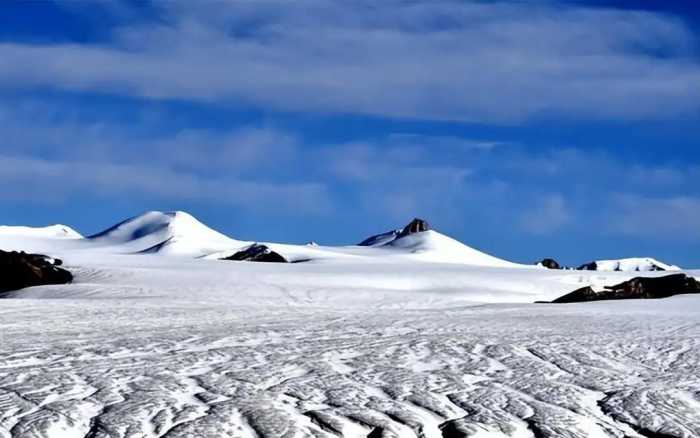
(425, 338)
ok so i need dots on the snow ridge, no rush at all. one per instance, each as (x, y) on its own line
(177, 233)
(643, 264)
(57, 231)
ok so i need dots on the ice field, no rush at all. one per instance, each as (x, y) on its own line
(424, 338)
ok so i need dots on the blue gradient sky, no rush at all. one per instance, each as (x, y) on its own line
(529, 130)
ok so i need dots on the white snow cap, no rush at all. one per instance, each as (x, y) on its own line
(174, 232)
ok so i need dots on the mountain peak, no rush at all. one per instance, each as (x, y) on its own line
(415, 226)
(173, 232)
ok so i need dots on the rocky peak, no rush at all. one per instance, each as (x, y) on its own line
(415, 226)
(550, 264)
(257, 253)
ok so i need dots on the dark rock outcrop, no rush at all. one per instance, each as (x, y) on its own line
(19, 270)
(550, 264)
(257, 253)
(415, 226)
(639, 287)
(593, 266)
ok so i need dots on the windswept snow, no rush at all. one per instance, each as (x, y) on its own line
(153, 367)
(419, 337)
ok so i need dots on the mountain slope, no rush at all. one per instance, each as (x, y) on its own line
(417, 241)
(431, 246)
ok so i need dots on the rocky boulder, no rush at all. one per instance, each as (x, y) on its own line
(415, 226)
(639, 287)
(257, 253)
(592, 266)
(19, 270)
(636, 264)
(550, 264)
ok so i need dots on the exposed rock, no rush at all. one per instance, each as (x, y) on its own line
(416, 226)
(592, 266)
(639, 287)
(257, 253)
(550, 264)
(19, 270)
(579, 295)
(637, 264)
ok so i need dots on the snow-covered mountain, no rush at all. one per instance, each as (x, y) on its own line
(178, 233)
(641, 264)
(431, 246)
(57, 231)
(414, 258)
(170, 233)
(423, 244)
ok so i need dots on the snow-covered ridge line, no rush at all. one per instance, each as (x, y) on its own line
(639, 264)
(178, 233)
(635, 264)
(173, 254)
(57, 231)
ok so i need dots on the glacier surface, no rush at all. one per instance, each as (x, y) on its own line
(410, 340)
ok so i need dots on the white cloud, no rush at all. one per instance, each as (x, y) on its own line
(51, 181)
(672, 217)
(460, 182)
(446, 60)
(49, 158)
(548, 216)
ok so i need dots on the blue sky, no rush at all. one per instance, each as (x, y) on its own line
(529, 130)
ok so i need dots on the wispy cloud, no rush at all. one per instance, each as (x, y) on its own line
(548, 215)
(462, 182)
(49, 182)
(673, 217)
(49, 158)
(449, 60)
